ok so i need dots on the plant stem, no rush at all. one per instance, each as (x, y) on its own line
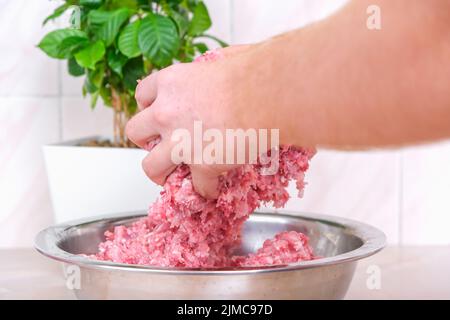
(121, 116)
(223, 44)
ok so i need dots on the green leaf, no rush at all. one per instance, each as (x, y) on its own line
(191, 4)
(158, 39)
(90, 55)
(109, 31)
(57, 43)
(222, 43)
(174, 2)
(201, 47)
(148, 66)
(94, 80)
(181, 20)
(200, 21)
(133, 71)
(107, 24)
(187, 52)
(132, 105)
(91, 3)
(57, 13)
(74, 68)
(70, 45)
(116, 61)
(131, 4)
(94, 99)
(88, 87)
(96, 18)
(128, 40)
(105, 93)
(144, 4)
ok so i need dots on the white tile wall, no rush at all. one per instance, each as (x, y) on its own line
(79, 120)
(22, 67)
(26, 124)
(362, 186)
(70, 86)
(426, 195)
(29, 117)
(256, 20)
(220, 12)
(405, 193)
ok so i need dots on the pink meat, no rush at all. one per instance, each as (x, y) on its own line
(185, 230)
(286, 247)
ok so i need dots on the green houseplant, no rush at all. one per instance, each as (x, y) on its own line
(114, 43)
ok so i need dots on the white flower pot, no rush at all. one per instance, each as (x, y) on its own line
(91, 181)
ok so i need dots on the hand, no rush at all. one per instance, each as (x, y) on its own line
(177, 96)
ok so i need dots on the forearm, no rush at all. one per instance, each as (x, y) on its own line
(337, 84)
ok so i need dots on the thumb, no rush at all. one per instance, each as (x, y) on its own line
(206, 182)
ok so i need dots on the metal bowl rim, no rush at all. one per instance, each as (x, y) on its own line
(372, 238)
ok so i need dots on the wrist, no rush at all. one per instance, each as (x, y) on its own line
(244, 88)
(279, 87)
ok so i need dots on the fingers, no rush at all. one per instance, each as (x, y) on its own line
(206, 182)
(158, 164)
(146, 91)
(142, 128)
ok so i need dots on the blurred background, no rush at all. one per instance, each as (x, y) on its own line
(405, 192)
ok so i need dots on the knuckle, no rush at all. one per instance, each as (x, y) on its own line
(147, 167)
(138, 96)
(140, 85)
(161, 117)
(139, 93)
(130, 129)
(168, 75)
(164, 78)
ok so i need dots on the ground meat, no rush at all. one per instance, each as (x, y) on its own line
(185, 230)
(286, 247)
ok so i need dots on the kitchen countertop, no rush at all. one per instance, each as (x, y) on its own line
(405, 273)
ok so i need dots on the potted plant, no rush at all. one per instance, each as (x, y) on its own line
(113, 44)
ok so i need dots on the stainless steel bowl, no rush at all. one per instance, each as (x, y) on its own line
(341, 243)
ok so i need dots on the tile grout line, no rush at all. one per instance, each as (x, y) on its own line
(29, 96)
(400, 198)
(60, 107)
(41, 96)
(60, 96)
(231, 28)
